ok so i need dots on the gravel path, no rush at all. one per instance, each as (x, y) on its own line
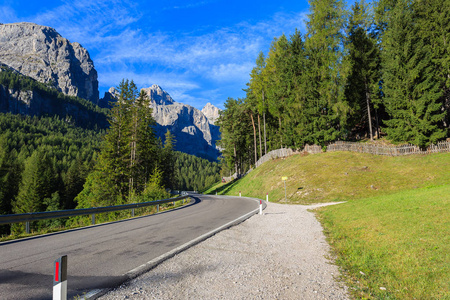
(278, 255)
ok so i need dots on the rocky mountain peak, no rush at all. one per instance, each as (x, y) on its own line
(158, 95)
(211, 112)
(193, 132)
(41, 53)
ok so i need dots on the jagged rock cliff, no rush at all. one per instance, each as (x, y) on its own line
(191, 128)
(211, 112)
(42, 54)
(23, 95)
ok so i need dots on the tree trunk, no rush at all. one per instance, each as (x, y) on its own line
(265, 141)
(368, 111)
(264, 120)
(259, 130)
(254, 138)
(281, 136)
(235, 161)
(378, 124)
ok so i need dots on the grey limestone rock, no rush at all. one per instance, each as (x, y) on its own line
(158, 95)
(193, 131)
(211, 112)
(44, 55)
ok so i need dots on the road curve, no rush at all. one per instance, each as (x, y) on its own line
(100, 256)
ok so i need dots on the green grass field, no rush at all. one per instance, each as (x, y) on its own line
(399, 242)
(338, 176)
(391, 238)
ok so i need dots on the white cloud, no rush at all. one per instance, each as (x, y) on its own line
(189, 5)
(7, 14)
(231, 72)
(181, 62)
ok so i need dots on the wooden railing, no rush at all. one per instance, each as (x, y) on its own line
(390, 150)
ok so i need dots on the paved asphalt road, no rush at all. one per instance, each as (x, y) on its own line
(99, 256)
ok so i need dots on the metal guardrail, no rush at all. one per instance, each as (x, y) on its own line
(30, 217)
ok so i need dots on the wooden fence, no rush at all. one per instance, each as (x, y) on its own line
(283, 152)
(390, 150)
(408, 149)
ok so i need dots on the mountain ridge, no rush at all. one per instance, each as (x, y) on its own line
(42, 54)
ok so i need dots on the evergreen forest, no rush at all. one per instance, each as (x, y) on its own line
(48, 162)
(378, 70)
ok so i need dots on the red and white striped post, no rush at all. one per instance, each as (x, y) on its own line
(60, 279)
(260, 207)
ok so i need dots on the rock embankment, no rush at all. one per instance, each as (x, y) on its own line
(279, 255)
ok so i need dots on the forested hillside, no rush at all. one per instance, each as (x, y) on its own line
(195, 173)
(43, 162)
(45, 100)
(47, 161)
(381, 69)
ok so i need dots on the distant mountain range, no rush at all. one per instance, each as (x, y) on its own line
(40, 53)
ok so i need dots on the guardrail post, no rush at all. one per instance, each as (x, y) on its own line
(27, 227)
(157, 208)
(93, 219)
(60, 279)
(132, 212)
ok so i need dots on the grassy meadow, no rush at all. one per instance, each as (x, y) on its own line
(391, 238)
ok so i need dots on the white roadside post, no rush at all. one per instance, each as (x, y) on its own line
(239, 193)
(267, 197)
(284, 179)
(260, 207)
(60, 279)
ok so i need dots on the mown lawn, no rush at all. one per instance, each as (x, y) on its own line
(337, 176)
(395, 246)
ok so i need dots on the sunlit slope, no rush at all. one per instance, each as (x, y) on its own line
(336, 176)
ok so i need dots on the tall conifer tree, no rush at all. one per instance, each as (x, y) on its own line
(362, 88)
(411, 88)
(324, 112)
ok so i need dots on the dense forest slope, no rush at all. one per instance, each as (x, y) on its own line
(23, 95)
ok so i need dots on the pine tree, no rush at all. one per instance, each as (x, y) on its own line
(167, 161)
(115, 159)
(324, 112)
(362, 88)
(412, 91)
(258, 88)
(37, 183)
(279, 81)
(143, 157)
(433, 22)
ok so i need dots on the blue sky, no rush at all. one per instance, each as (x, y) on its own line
(198, 51)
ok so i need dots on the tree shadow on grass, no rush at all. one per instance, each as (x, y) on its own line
(226, 187)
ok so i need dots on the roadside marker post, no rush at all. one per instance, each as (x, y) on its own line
(267, 197)
(284, 179)
(60, 279)
(260, 207)
(239, 193)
